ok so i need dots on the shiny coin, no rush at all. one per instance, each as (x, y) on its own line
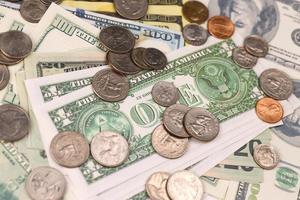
(131, 9)
(117, 39)
(109, 149)
(8, 61)
(156, 186)
(201, 124)
(165, 93)
(194, 34)
(46, 183)
(69, 149)
(138, 59)
(167, 145)
(173, 120)
(110, 86)
(155, 59)
(241, 57)
(122, 63)
(4, 76)
(220, 27)
(269, 110)
(256, 46)
(195, 11)
(276, 84)
(14, 123)
(32, 10)
(185, 185)
(266, 156)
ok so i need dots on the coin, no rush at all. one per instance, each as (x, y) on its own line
(269, 110)
(117, 39)
(110, 86)
(173, 120)
(242, 58)
(69, 149)
(195, 11)
(256, 46)
(276, 84)
(156, 186)
(46, 183)
(266, 156)
(14, 123)
(4, 76)
(167, 145)
(138, 59)
(109, 149)
(131, 9)
(165, 93)
(194, 34)
(201, 124)
(8, 61)
(122, 63)
(32, 10)
(155, 59)
(185, 185)
(220, 27)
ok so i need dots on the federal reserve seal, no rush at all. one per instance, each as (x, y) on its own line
(296, 36)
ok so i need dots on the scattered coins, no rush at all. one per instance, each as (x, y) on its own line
(131, 9)
(194, 34)
(269, 110)
(266, 156)
(165, 93)
(137, 56)
(4, 76)
(241, 57)
(256, 46)
(32, 10)
(122, 63)
(195, 12)
(156, 186)
(155, 59)
(220, 27)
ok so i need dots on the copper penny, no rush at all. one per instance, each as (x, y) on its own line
(220, 27)
(195, 11)
(269, 110)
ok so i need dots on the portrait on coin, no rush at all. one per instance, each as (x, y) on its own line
(265, 155)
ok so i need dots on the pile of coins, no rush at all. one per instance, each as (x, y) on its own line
(131, 9)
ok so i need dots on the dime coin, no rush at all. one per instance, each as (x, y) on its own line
(276, 84)
(131, 9)
(117, 39)
(122, 63)
(69, 149)
(155, 59)
(266, 156)
(165, 93)
(185, 185)
(14, 123)
(256, 46)
(109, 149)
(201, 124)
(32, 10)
(8, 61)
(138, 59)
(241, 57)
(110, 86)
(4, 76)
(167, 145)
(220, 27)
(195, 11)
(156, 186)
(194, 34)
(173, 120)
(46, 183)
(269, 110)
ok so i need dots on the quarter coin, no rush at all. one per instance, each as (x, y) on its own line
(195, 11)
(256, 46)
(165, 93)
(131, 9)
(122, 63)
(194, 34)
(156, 186)
(242, 58)
(155, 59)
(32, 10)
(220, 27)
(269, 110)
(138, 59)
(266, 156)
(4, 76)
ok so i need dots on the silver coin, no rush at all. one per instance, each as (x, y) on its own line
(131, 9)
(110, 86)
(201, 124)
(46, 183)
(14, 123)
(155, 59)
(156, 186)
(69, 149)
(167, 145)
(122, 63)
(4, 76)
(117, 39)
(194, 34)
(185, 185)
(256, 46)
(242, 58)
(276, 84)
(266, 156)
(109, 149)
(165, 93)
(137, 58)
(173, 120)
(32, 10)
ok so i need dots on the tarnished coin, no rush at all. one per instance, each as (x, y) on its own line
(4, 76)
(269, 110)
(32, 10)
(165, 93)
(69, 149)
(276, 84)
(266, 156)
(156, 186)
(155, 59)
(220, 27)
(256, 46)
(14, 123)
(138, 59)
(241, 57)
(110, 86)
(46, 183)
(8, 61)
(122, 63)
(185, 185)
(131, 9)
(201, 124)
(173, 120)
(117, 39)
(194, 34)
(195, 11)
(109, 149)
